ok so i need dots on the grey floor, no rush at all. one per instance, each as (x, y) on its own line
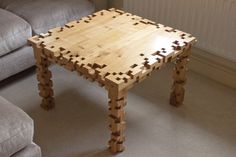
(204, 127)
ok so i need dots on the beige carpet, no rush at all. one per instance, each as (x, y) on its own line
(204, 127)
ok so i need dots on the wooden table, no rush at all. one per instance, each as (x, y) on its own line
(117, 50)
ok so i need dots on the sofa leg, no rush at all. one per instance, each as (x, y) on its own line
(45, 84)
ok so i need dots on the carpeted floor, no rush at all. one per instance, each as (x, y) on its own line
(204, 127)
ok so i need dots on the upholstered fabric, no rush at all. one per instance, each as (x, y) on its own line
(2, 155)
(46, 14)
(14, 32)
(31, 150)
(6, 3)
(16, 128)
(16, 61)
(42, 15)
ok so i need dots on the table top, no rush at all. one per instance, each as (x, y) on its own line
(113, 47)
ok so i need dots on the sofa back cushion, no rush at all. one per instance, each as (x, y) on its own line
(14, 32)
(46, 14)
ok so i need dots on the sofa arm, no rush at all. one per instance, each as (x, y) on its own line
(16, 128)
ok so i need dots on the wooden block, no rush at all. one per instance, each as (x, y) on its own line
(118, 126)
(116, 147)
(117, 112)
(48, 103)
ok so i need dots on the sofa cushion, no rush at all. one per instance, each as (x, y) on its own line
(16, 128)
(46, 14)
(20, 60)
(14, 32)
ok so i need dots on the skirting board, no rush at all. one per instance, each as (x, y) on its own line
(214, 67)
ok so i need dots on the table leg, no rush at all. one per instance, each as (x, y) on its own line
(117, 120)
(179, 76)
(44, 78)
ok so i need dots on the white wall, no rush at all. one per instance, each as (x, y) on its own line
(213, 22)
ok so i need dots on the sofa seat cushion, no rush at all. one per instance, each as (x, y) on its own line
(16, 128)
(31, 150)
(46, 14)
(20, 60)
(14, 32)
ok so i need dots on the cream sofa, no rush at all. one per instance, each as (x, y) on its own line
(21, 19)
(16, 132)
